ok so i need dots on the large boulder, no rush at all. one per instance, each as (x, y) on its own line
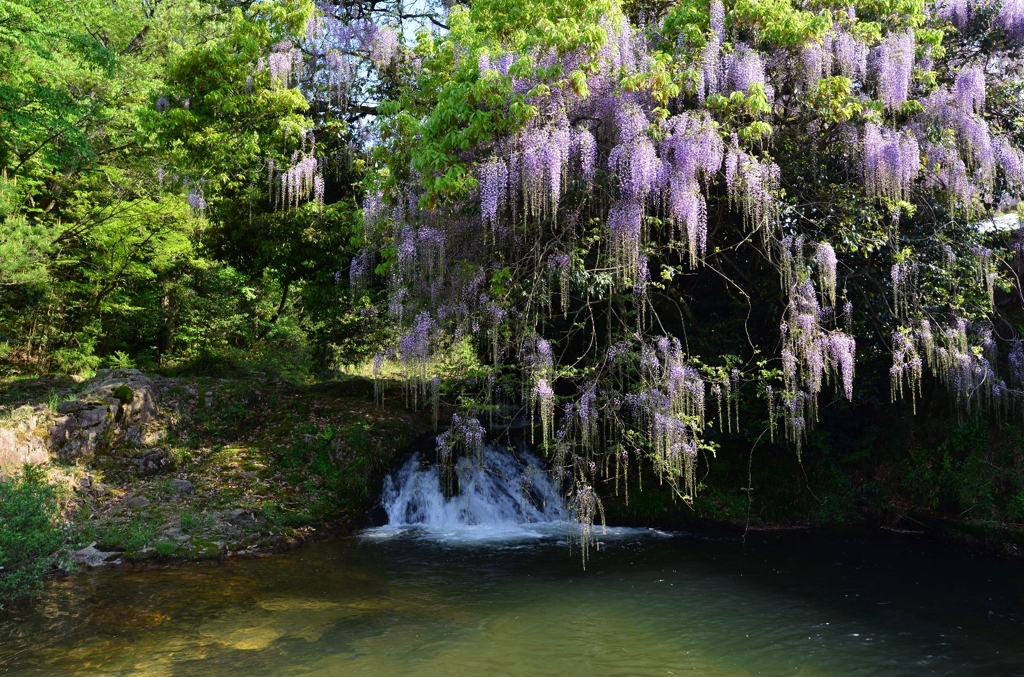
(117, 411)
(118, 407)
(82, 426)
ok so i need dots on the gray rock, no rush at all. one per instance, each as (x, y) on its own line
(118, 406)
(70, 407)
(90, 556)
(134, 435)
(154, 462)
(236, 517)
(77, 433)
(184, 487)
(18, 448)
(138, 502)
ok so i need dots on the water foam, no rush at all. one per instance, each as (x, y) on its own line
(502, 497)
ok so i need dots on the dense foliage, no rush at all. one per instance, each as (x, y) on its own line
(655, 225)
(139, 226)
(29, 534)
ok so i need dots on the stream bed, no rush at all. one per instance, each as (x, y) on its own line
(405, 601)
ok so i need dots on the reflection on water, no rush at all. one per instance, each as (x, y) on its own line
(785, 604)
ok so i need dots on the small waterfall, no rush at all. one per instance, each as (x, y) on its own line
(501, 496)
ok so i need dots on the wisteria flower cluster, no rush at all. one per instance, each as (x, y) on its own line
(633, 156)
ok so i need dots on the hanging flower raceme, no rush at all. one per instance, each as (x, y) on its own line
(634, 160)
(539, 367)
(962, 358)
(284, 61)
(585, 146)
(891, 162)
(746, 70)
(536, 165)
(299, 182)
(851, 56)
(973, 149)
(957, 12)
(904, 287)
(907, 367)
(813, 355)
(825, 256)
(693, 150)
(360, 269)
(969, 89)
(466, 437)
(558, 268)
(753, 186)
(816, 62)
(894, 65)
(384, 45)
(670, 410)
(493, 190)
(625, 223)
(1011, 18)
(414, 350)
(712, 54)
(196, 199)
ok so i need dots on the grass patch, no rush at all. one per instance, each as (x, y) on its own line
(194, 522)
(130, 536)
(165, 548)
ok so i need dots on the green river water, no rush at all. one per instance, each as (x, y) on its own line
(393, 603)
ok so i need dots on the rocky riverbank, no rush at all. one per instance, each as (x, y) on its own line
(152, 467)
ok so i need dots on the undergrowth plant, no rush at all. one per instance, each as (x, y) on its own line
(30, 533)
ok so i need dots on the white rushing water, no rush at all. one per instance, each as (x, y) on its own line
(502, 497)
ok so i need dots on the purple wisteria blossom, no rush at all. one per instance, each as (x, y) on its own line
(1011, 18)
(196, 199)
(894, 65)
(891, 161)
(825, 256)
(957, 12)
(969, 88)
(851, 56)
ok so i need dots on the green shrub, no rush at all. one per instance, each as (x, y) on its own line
(29, 533)
(120, 360)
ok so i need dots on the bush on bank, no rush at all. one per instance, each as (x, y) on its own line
(30, 534)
